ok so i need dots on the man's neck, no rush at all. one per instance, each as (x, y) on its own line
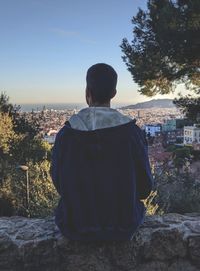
(99, 105)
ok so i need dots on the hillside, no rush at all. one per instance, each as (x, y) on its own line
(159, 103)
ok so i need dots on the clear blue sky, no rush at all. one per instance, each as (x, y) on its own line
(47, 46)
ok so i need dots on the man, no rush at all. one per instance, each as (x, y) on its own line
(100, 167)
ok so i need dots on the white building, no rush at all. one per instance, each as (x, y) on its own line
(152, 129)
(50, 137)
(191, 134)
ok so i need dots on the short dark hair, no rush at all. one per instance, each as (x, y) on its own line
(101, 81)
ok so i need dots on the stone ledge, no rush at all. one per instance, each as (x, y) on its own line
(164, 243)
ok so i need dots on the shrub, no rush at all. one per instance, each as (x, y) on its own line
(177, 193)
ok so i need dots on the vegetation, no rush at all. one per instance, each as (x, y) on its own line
(165, 51)
(181, 156)
(6, 133)
(176, 193)
(43, 197)
(175, 190)
(20, 144)
(190, 106)
(20, 124)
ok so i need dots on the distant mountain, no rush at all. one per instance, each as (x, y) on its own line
(159, 103)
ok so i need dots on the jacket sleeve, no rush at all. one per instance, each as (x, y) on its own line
(56, 161)
(144, 179)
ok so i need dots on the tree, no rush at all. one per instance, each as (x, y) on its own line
(5, 105)
(190, 106)
(165, 51)
(6, 133)
(7, 136)
(20, 124)
(20, 144)
(35, 150)
(181, 156)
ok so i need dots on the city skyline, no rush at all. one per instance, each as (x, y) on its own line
(47, 46)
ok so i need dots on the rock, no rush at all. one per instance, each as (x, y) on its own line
(163, 243)
(194, 248)
(194, 226)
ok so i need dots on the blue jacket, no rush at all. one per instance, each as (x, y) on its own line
(101, 176)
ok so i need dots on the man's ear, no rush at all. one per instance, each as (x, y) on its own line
(87, 95)
(114, 93)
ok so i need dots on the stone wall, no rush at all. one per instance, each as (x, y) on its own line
(167, 243)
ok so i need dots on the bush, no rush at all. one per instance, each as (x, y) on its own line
(21, 144)
(43, 196)
(176, 193)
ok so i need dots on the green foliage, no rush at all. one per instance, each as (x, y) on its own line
(181, 156)
(43, 196)
(6, 133)
(6, 207)
(184, 152)
(177, 193)
(35, 150)
(196, 155)
(171, 148)
(174, 193)
(165, 46)
(189, 106)
(151, 206)
(23, 126)
(21, 145)
(5, 105)
(20, 124)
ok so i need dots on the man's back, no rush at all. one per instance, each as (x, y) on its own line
(101, 175)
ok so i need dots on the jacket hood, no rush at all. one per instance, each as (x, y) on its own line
(92, 118)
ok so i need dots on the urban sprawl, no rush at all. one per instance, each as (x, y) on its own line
(162, 126)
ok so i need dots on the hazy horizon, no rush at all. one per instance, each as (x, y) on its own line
(28, 107)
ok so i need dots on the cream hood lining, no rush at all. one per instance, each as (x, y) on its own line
(92, 118)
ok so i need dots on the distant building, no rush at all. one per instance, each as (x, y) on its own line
(173, 124)
(172, 137)
(152, 129)
(191, 134)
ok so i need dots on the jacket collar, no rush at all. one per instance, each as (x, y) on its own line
(92, 118)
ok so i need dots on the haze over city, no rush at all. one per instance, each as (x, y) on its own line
(47, 46)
